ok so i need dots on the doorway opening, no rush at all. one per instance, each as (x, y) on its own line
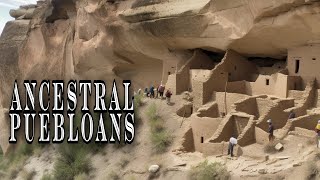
(297, 66)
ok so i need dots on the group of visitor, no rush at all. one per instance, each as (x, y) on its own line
(158, 92)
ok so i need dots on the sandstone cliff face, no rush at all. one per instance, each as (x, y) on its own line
(135, 39)
(253, 27)
(132, 39)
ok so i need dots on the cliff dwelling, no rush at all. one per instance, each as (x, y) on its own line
(237, 95)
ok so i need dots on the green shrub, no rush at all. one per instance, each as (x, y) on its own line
(73, 160)
(138, 100)
(25, 149)
(161, 141)
(152, 112)
(137, 118)
(93, 146)
(160, 137)
(13, 163)
(46, 177)
(206, 171)
(157, 126)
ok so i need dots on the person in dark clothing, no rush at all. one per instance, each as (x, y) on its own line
(151, 91)
(270, 130)
(292, 115)
(157, 92)
(146, 92)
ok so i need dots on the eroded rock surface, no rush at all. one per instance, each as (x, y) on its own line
(144, 40)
